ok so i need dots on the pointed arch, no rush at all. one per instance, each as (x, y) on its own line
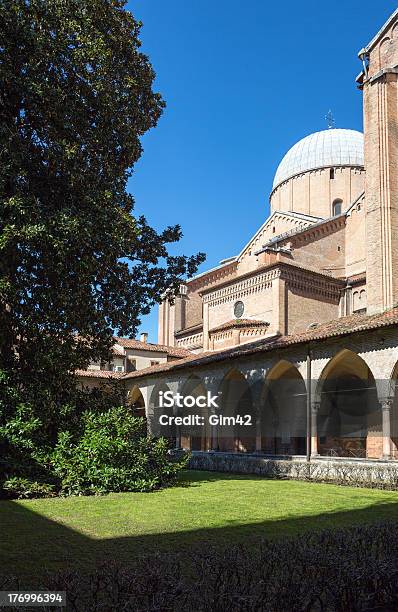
(155, 410)
(236, 400)
(393, 393)
(348, 419)
(283, 411)
(195, 437)
(136, 402)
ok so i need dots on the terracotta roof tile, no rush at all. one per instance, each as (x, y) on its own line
(356, 277)
(118, 351)
(131, 343)
(240, 323)
(98, 374)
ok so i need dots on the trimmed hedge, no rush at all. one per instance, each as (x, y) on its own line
(347, 570)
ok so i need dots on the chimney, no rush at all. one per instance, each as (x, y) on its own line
(144, 337)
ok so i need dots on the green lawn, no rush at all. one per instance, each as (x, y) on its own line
(204, 508)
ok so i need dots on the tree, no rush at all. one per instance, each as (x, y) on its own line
(75, 264)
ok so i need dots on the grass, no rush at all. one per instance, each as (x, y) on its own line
(205, 508)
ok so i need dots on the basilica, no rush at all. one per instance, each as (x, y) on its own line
(299, 330)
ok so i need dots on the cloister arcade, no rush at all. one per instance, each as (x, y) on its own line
(341, 404)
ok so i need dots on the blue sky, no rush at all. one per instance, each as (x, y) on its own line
(243, 81)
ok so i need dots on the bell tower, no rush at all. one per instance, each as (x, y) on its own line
(379, 81)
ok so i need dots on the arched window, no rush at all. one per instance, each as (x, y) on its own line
(336, 207)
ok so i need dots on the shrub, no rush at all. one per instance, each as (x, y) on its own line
(23, 488)
(112, 453)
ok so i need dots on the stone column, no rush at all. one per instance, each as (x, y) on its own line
(386, 404)
(314, 428)
(213, 433)
(212, 386)
(258, 435)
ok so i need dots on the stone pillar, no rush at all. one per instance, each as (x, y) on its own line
(258, 435)
(386, 404)
(212, 385)
(213, 437)
(314, 429)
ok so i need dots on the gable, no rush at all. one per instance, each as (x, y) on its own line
(278, 224)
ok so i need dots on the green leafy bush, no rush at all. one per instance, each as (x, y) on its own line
(83, 446)
(112, 453)
(23, 488)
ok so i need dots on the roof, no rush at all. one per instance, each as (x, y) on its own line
(302, 230)
(332, 147)
(117, 351)
(98, 374)
(240, 323)
(131, 343)
(269, 220)
(223, 264)
(336, 328)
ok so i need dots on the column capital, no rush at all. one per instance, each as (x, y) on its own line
(315, 406)
(386, 402)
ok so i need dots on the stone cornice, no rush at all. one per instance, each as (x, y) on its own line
(212, 276)
(189, 330)
(295, 276)
(382, 73)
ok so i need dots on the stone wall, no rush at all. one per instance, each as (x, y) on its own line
(341, 471)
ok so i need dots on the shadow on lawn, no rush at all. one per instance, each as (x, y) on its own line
(32, 544)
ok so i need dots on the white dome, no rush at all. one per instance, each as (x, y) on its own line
(333, 147)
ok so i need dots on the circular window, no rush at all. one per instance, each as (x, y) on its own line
(239, 309)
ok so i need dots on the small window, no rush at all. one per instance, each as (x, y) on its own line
(273, 230)
(336, 207)
(155, 363)
(239, 309)
(118, 368)
(331, 173)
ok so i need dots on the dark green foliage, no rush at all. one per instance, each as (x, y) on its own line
(23, 488)
(349, 570)
(103, 452)
(112, 453)
(76, 95)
